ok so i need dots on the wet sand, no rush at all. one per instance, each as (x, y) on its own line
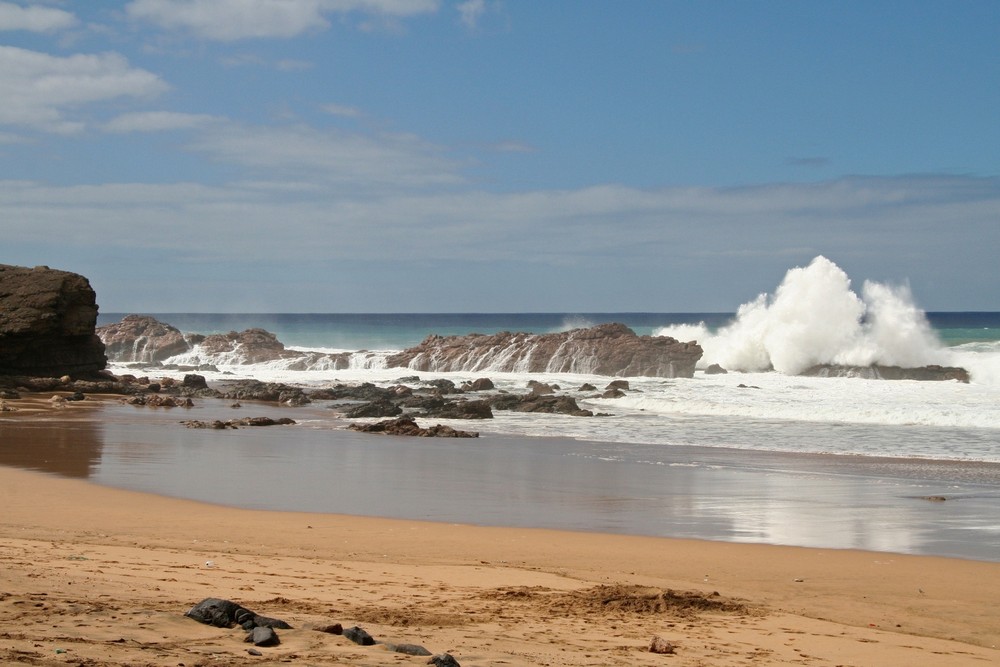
(559, 483)
(102, 576)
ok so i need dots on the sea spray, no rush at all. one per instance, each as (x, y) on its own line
(814, 317)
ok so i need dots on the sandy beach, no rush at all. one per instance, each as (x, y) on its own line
(98, 576)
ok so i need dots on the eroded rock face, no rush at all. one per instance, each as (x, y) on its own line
(607, 349)
(140, 338)
(47, 323)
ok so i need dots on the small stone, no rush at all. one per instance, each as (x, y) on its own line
(359, 636)
(661, 646)
(443, 660)
(263, 636)
(332, 629)
(408, 649)
(253, 651)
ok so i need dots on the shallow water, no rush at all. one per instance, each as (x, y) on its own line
(555, 482)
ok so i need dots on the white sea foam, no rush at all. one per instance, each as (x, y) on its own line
(814, 317)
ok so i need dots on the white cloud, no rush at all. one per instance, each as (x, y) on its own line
(39, 89)
(34, 18)
(230, 20)
(383, 161)
(157, 121)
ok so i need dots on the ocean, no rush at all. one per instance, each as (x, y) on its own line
(762, 410)
(757, 454)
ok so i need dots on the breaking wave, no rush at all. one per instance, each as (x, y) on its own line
(814, 317)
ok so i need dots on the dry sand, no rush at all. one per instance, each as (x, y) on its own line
(98, 576)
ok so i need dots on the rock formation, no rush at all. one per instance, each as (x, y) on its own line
(47, 323)
(607, 349)
(144, 339)
(140, 338)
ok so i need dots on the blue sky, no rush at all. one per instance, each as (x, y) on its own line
(498, 155)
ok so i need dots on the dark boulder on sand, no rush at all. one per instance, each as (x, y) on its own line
(47, 323)
(407, 426)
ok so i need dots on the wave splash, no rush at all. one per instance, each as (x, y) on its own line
(814, 317)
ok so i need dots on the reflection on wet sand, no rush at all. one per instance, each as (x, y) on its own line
(72, 449)
(709, 493)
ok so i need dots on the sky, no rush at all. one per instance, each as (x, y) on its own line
(499, 155)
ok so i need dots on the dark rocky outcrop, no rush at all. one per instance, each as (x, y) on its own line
(539, 403)
(377, 408)
(236, 423)
(47, 323)
(226, 614)
(876, 372)
(461, 410)
(407, 426)
(255, 390)
(607, 349)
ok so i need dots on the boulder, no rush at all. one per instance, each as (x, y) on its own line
(607, 349)
(47, 323)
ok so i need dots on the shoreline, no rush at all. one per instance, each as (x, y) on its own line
(106, 574)
(885, 505)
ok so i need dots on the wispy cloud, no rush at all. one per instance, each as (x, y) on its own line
(470, 12)
(342, 110)
(376, 161)
(40, 90)
(231, 20)
(34, 18)
(157, 121)
(512, 147)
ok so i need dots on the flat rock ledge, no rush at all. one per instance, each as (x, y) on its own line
(932, 373)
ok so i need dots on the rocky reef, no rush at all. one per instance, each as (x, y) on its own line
(878, 372)
(607, 349)
(47, 323)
